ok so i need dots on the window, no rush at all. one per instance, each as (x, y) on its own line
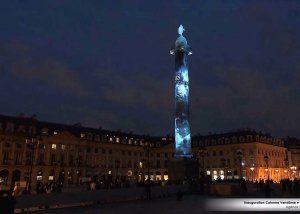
(251, 161)
(249, 138)
(242, 139)
(32, 129)
(129, 141)
(135, 142)
(18, 158)
(42, 146)
(166, 163)
(111, 139)
(82, 135)
(19, 145)
(104, 138)
(71, 160)
(79, 148)
(213, 142)
(21, 129)
(157, 144)
(53, 146)
(96, 150)
(234, 139)
(103, 151)
(97, 138)
(110, 152)
(72, 148)
(88, 149)
(63, 147)
(135, 153)
(123, 152)
(117, 140)
(90, 136)
(166, 155)
(124, 140)
(141, 154)
(227, 140)
(221, 153)
(7, 143)
(129, 153)
(158, 164)
(250, 151)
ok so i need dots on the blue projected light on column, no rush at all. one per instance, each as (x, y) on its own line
(182, 124)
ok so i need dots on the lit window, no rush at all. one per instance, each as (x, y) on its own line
(82, 135)
(164, 138)
(111, 139)
(45, 131)
(63, 147)
(117, 140)
(129, 141)
(55, 133)
(53, 146)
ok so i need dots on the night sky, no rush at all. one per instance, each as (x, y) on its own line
(107, 63)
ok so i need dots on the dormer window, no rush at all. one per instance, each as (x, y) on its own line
(21, 129)
(157, 144)
(10, 127)
(124, 140)
(117, 140)
(164, 138)
(32, 129)
(129, 141)
(82, 135)
(111, 139)
(89, 136)
(213, 142)
(135, 142)
(242, 139)
(220, 140)
(104, 138)
(249, 138)
(227, 141)
(45, 131)
(206, 142)
(97, 138)
(201, 143)
(234, 139)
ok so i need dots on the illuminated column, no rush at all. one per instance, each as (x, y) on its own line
(182, 123)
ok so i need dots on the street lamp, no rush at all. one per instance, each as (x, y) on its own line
(276, 170)
(239, 155)
(78, 162)
(223, 161)
(266, 158)
(148, 147)
(203, 152)
(117, 166)
(32, 142)
(293, 168)
(252, 169)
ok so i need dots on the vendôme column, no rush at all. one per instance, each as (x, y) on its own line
(182, 123)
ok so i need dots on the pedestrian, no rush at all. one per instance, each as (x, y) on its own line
(148, 189)
(267, 190)
(9, 203)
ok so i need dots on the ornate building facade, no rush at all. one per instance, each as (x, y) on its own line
(72, 153)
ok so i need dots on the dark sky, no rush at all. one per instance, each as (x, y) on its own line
(107, 63)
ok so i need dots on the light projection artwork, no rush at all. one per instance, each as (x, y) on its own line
(182, 123)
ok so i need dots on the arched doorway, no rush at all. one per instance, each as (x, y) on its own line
(16, 176)
(51, 175)
(166, 177)
(3, 176)
(39, 176)
(102, 176)
(158, 175)
(95, 176)
(61, 177)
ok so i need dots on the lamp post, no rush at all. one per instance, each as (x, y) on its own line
(266, 158)
(148, 147)
(223, 162)
(293, 168)
(286, 163)
(78, 162)
(203, 153)
(117, 166)
(239, 155)
(32, 142)
(252, 169)
(276, 170)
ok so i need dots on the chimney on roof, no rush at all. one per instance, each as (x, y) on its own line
(100, 127)
(21, 115)
(77, 124)
(34, 117)
(119, 130)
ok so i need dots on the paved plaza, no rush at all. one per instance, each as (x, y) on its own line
(191, 204)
